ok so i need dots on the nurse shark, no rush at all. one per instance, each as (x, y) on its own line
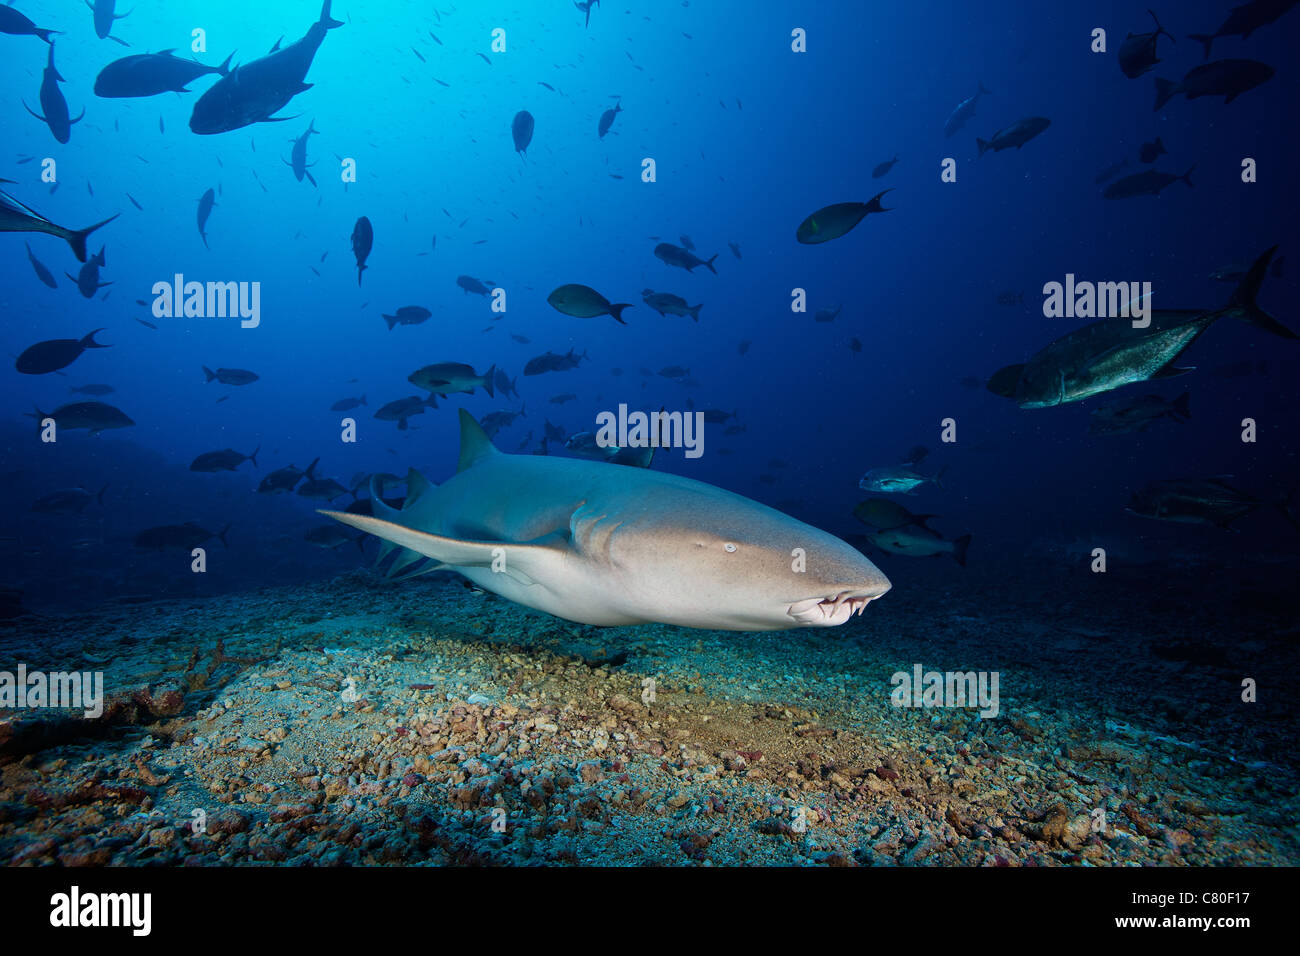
(606, 544)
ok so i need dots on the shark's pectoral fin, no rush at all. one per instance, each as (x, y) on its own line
(525, 563)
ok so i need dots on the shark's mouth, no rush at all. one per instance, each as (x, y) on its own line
(830, 611)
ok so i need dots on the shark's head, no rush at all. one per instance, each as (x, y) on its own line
(726, 562)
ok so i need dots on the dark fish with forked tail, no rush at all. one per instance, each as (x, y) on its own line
(1137, 53)
(683, 258)
(831, 222)
(521, 130)
(1111, 353)
(42, 273)
(584, 302)
(45, 357)
(1243, 20)
(87, 277)
(229, 376)
(56, 117)
(964, 111)
(363, 240)
(148, 74)
(1193, 501)
(16, 217)
(1226, 78)
(17, 25)
(1146, 183)
(1015, 135)
(254, 92)
(206, 202)
(227, 459)
(94, 417)
(179, 537)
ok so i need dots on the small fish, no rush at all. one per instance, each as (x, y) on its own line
(607, 120)
(521, 130)
(363, 239)
(45, 357)
(1150, 151)
(42, 273)
(206, 202)
(1226, 78)
(584, 302)
(1015, 135)
(884, 168)
(1147, 183)
(831, 222)
(230, 376)
(1137, 53)
(683, 258)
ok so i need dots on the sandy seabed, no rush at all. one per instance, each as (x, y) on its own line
(354, 722)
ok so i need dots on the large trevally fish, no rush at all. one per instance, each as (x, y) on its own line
(1111, 353)
(15, 217)
(606, 544)
(254, 92)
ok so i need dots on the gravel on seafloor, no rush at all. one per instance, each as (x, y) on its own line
(356, 723)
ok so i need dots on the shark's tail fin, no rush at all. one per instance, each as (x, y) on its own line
(329, 22)
(221, 536)
(708, 262)
(1242, 304)
(77, 238)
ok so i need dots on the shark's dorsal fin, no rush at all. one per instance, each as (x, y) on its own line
(474, 443)
(416, 486)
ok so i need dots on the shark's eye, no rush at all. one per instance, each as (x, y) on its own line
(729, 547)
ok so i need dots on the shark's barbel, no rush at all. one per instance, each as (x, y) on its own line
(606, 544)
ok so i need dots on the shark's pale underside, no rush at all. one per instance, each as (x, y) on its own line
(608, 544)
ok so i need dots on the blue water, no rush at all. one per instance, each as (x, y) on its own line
(748, 139)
